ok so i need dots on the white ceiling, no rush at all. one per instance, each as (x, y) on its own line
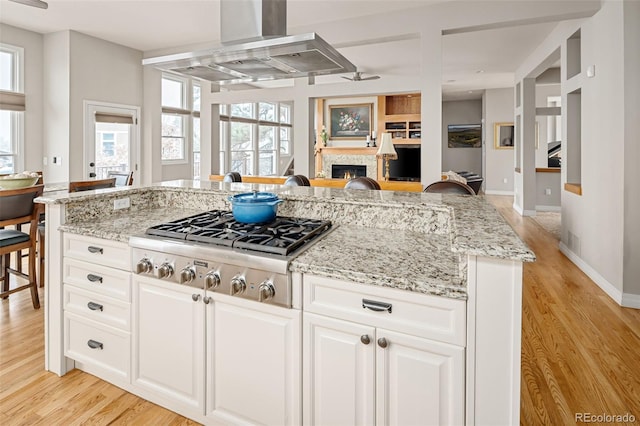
(472, 61)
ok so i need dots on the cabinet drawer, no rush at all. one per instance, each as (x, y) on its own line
(100, 346)
(96, 250)
(108, 281)
(432, 317)
(97, 307)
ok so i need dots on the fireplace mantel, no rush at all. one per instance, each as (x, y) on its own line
(348, 151)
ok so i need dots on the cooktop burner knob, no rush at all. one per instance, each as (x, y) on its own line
(165, 271)
(212, 279)
(266, 291)
(144, 266)
(238, 285)
(187, 275)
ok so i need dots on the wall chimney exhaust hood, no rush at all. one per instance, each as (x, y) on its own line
(255, 47)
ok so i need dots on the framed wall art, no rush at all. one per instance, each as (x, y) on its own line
(350, 121)
(464, 135)
(503, 135)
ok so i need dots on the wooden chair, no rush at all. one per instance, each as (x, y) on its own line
(17, 207)
(450, 187)
(88, 185)
(362, 182)
(122, 178)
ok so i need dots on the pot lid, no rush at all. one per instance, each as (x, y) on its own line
(254, 197)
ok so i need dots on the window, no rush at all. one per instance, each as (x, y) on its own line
(11, 108)
(181, 122)
(195, 125)
(108, 144)
(254, 137)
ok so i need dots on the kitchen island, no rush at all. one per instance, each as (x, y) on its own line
(452, 255)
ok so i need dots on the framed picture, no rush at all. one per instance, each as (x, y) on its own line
(464, 135)
(350, 121)
(503, 134)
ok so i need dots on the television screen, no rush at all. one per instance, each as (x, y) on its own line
(407, 166)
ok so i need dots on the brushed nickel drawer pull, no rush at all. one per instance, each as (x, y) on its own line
(376, 306)
(94, 344)
(94, 278)
(94, 249)
(95, 306)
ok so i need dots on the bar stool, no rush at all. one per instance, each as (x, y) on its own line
(17, 207)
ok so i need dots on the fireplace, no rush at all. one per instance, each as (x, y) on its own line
(346, 171)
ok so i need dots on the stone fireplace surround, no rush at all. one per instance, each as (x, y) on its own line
(370, 161)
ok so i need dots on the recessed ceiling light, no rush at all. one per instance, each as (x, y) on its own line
(479, 71)
(470, 91)
(451, 81)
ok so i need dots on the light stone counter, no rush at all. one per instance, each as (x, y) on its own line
(423, 263)
(412, 241)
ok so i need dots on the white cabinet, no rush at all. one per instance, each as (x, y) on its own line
(356, 370)
(418, 381)
(168, 348)
(339, 372)
(253, 362)
(97, 306)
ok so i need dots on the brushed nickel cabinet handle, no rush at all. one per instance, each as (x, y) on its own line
(376, 306)
(94, 344)
(365, 339)
(94, 249)
(95, 306)
(94, 278)
(382, 342)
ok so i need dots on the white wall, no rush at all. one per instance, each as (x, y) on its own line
(594, 233)
(33, 89)
(631, 243)
(99, 71)
(56, 109)
(498, 106)
(79, 67)
(461, 159)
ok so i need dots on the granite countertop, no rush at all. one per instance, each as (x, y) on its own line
(423, 263)
(121, 227)
(367, 244)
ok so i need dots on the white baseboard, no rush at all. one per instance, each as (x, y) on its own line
(548, 208)
(631, 300)
(600, 281)
(518, 209)
(494, 192)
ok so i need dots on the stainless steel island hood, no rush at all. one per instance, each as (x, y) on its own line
(255, 47)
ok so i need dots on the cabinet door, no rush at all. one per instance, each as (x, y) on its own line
(168, 336)
(418, 381)
(338, 372)
(253, 362)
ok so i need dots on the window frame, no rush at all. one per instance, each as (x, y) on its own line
(226, 154)
(183, 111)
(16, 118)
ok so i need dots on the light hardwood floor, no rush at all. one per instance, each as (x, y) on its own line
(580, 354)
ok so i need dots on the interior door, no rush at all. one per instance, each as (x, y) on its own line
(111, 139)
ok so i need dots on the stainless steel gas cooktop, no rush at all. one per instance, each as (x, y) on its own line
(214, 252)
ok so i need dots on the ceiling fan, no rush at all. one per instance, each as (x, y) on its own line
(35, 3)
(357, 76)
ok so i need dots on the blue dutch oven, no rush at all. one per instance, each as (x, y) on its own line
(254, 207)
